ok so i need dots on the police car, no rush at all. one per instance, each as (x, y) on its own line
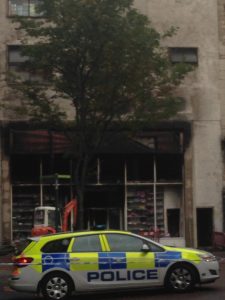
(61, 264)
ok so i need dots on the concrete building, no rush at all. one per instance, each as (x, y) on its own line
(175, 172)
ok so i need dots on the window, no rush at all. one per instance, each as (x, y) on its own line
(51, 218)
(22, 245)
(173, 221)
(16, 67)
(24, 8)
(30, 165)
(57, 246)
(169, 167)
(90, 243)
(112, 169)
(185, 55)
(15, 62)
(140, 167)
(126, 243)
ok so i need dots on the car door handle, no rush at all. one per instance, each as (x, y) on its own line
(74, 259)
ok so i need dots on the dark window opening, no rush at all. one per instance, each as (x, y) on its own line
(105, 197)
(104, 208)
(111, 169)
(204, 226)
(169, 167)
(140, 168)
(183, 55)
(170, 142)
(104, 218)
(173, 221)
(92, 171)
(25, 168)
(49, 195)
(57, 164)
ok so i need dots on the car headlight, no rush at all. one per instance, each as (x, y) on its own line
(207, 257)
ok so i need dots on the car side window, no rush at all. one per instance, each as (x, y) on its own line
(124, 243)
(56, 246)
(155, 248)
(90, 243)
(128, 243)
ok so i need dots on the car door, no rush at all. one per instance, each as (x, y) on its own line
(86, 252)
(132, 261)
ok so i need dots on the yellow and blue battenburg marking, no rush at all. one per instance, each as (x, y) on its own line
(163, 259)
(107, 261)
(113, 267)
(55, 260)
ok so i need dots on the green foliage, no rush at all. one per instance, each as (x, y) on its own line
(104, 58)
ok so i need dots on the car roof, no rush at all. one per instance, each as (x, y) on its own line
(76, 233)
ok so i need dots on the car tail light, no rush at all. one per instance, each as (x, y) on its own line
(22, 261)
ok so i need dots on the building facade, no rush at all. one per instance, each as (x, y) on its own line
(169, 180)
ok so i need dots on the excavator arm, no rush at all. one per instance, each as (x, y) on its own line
(70, 210)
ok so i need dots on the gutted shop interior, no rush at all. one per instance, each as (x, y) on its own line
(135, 185)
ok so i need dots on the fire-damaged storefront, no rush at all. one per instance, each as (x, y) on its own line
(135, 184)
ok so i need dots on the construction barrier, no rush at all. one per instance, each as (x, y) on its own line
(219, 240)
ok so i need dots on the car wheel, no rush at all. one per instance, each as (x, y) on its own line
(180, 278)
(56, 286)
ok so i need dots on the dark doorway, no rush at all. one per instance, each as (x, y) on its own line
(173, 221)
(204, 226)
(104, 218)
(104, 206)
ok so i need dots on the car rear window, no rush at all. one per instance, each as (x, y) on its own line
(22, 245)
(56, 246)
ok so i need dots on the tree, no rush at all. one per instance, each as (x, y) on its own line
(103, 58)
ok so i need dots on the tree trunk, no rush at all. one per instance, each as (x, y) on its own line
(80, 178)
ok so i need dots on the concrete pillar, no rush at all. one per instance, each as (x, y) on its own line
(1, 211)
(188, 197)
(6, 197)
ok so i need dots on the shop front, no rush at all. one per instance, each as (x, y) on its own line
(137, 186)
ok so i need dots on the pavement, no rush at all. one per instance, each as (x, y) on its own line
(5, 271)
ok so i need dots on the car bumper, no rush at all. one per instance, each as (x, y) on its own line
(21, 286)
(209, 271)
(24, 280)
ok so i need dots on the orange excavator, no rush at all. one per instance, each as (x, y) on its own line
(45, 219)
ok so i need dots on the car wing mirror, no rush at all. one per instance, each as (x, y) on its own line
(145, 248)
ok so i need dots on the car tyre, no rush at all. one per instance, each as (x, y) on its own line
(56, 286)
(180, 278)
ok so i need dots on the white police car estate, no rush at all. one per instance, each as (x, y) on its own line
(61, 264)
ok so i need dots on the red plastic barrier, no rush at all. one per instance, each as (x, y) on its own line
(219, 240)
